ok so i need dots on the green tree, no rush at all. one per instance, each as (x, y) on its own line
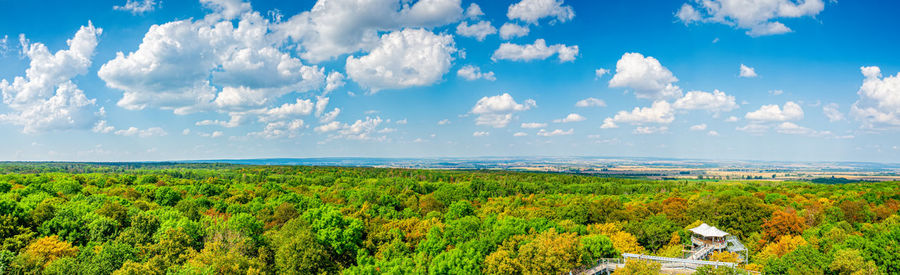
(342, 234)
(597, 246)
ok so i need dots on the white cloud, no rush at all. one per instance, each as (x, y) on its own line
(4, 45)
(402, 121)
(330, 116)
(715, 102)
(520, 134)
(481, 134)
(509, 31)
(646, 76)
(444, 122)
(47, 99)
(573, 117)
(235, 121)
(758, 17)
(328, 127)
(103, 127)
(790, 128)
(334, 81)
(557, 132)
(699, 127)
(321, 104)
(747, 72)
(590, 102)
(301, 107)
(403, 59)
(179, 65)
(533, 125)
(776, 92)
(496, 111)
(533, 10)
(137, 6)
(600, 72)
(879, 99)
(790, 111)
(688, 14)
(226, 9)
(538, 50)
(472, 73)
(712, 133)
(478, 31)
(474, 11)
(363, 129)
(832, 113)
(337, 27)
(754, 128)
(660, 112)
(144, 133)
(732, 119)
(280, 129)
(646, 130)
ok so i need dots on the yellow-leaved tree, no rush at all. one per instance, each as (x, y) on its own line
(784, 245)
(725, 256)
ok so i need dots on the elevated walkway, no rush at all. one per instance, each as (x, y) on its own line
(669, 265)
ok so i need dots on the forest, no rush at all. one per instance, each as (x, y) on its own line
(169, 218)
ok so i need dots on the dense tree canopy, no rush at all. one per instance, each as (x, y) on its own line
(224, 219)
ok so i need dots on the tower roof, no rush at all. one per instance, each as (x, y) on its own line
(708, 231)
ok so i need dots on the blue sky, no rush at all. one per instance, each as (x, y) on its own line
(149, 80)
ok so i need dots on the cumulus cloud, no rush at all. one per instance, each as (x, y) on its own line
(646, 76)
(590, 102)
(4, 45)
(573, 117)
(747, 72)
(520, 134)
(280, 129)
(533, 125)
(362, 129)
(646, 130)
(794, 129)
(479, 30)
(879, 99)
(712, 133)
(443, 122)
(472, 73)
(660, 112)
(531, 11)
(481, 134)
(179, 65)
(328, 127)
(143, 133)
(509, 31)
(138, 6)
(402, 59)
(497, 111)
(600, 73)
(832, 113)
(715, 102)
(301, 107)
(790, 111)
(557, 132)
(699, 127)
(46, 98)
(757, 17)
(334, 81)
(474, 11)
(337, 27)
(538, 50)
